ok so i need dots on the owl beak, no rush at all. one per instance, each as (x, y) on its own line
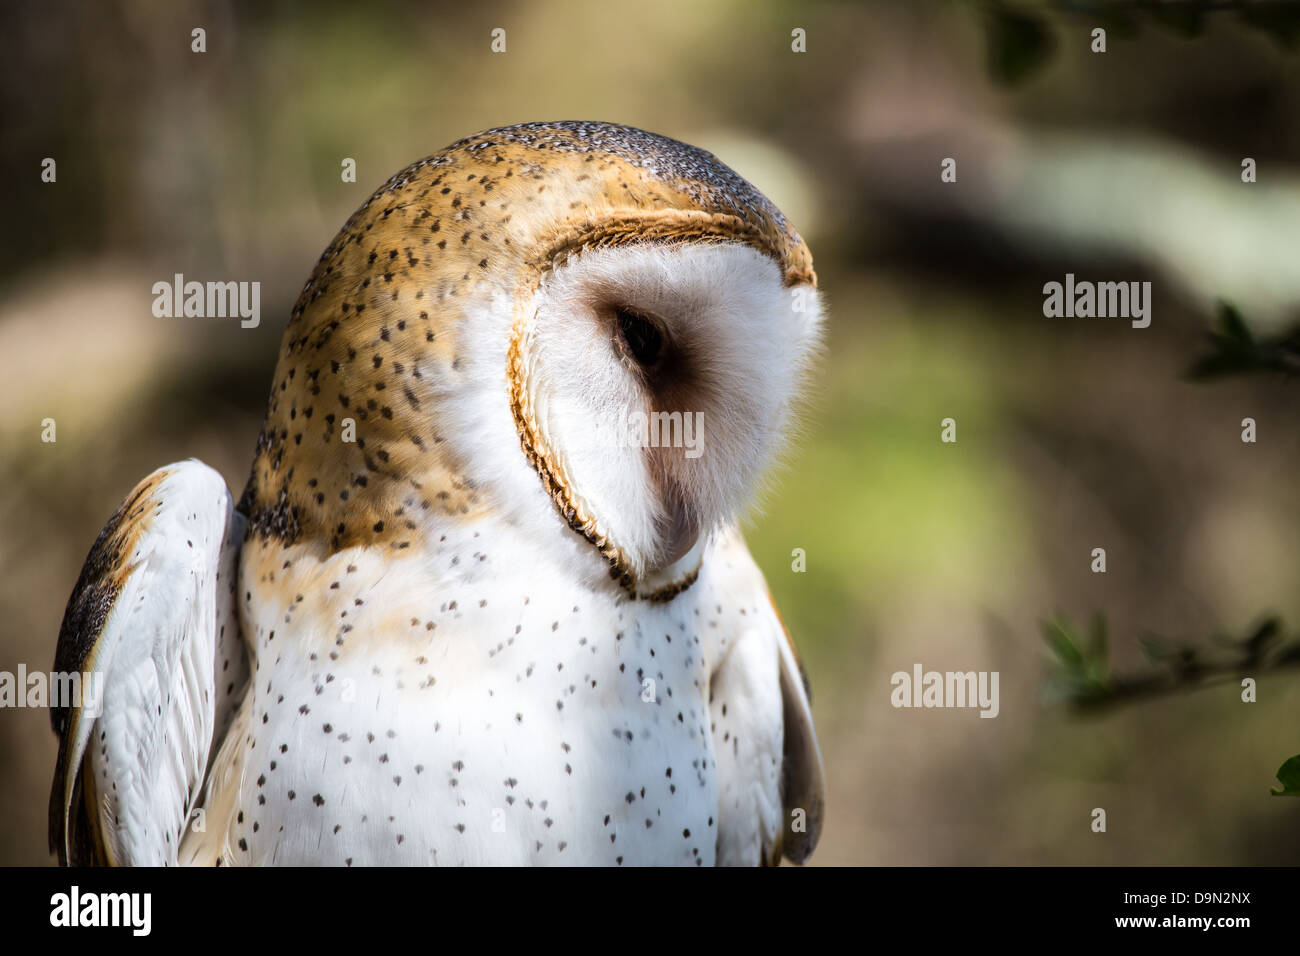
(683, 529)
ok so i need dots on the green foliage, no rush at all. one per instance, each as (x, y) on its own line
(1081, 673)
(1020, 41)
(1289, 774)
(1234, 350)
(1082, 677)
(1082, 659)
(1280, 20)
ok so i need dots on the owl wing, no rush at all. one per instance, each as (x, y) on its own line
(771, 782)
(152, 624)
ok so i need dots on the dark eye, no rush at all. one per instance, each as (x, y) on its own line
(641, 337)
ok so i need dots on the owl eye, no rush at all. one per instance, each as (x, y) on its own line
(640, 337)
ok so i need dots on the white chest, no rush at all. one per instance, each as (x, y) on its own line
(404, 712)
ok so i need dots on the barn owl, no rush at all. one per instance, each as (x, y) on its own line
(470, 608)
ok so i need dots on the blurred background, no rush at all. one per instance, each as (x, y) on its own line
(1072, 433)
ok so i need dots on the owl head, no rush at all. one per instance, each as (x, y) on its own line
(591, 331)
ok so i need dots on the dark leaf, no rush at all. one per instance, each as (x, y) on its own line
(1059, 640)
(1289, 774)
(1232, 325)
(1264, 635)
(1279, 20)
(1019, 43)
(1185, 19)
(1289, 654)
(1234, 350)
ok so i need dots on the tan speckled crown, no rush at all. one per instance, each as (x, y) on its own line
(379, 318)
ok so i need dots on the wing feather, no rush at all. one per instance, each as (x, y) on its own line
(771, 781)
(803, 777)
(151, 620)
